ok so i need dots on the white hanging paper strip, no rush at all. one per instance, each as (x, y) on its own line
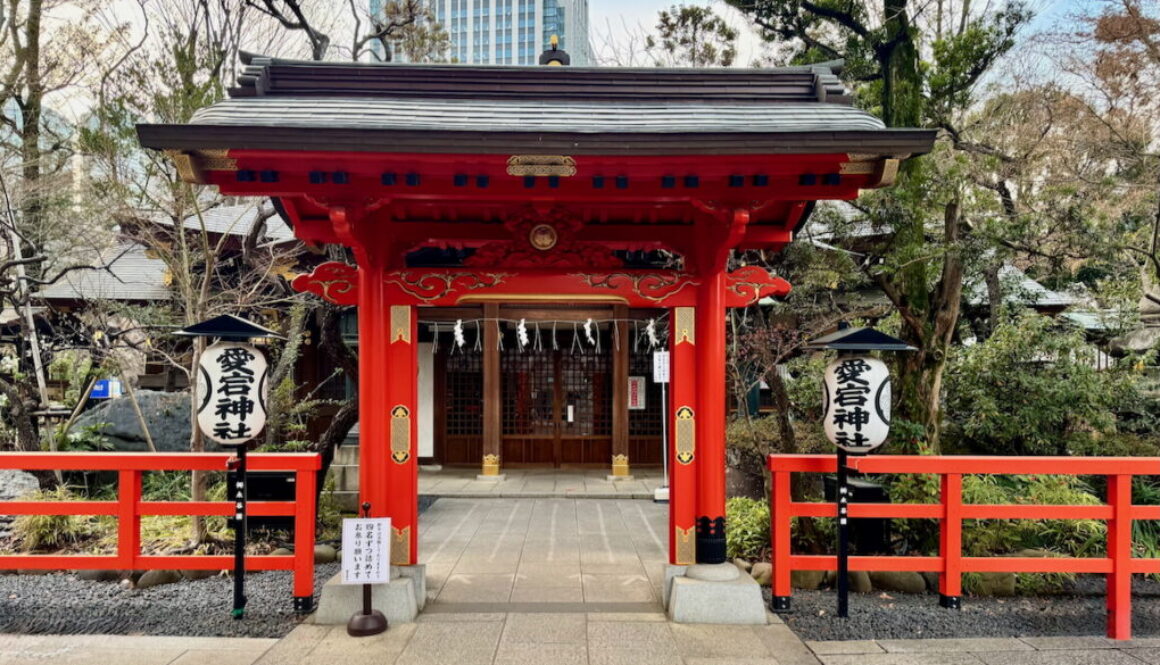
(651, 331)
(522, 333)
(588, 332)
(457, 332)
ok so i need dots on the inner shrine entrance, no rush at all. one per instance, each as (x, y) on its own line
(463, 186)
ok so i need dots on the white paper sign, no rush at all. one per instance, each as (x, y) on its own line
(636, 393)
(366, 550)
(661, 366)
(231, 382)
(857, 403)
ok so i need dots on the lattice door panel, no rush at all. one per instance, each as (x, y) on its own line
(463, 408)
(528, 384)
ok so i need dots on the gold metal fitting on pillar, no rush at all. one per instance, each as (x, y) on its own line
(620, 468)
(490, 465)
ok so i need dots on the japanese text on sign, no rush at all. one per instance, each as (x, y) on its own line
(366, 550)
(232, 391)
(857, 401)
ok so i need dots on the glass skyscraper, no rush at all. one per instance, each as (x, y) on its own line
(511, 32)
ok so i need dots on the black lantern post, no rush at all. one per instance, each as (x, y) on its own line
(856, 391)
(231, 389)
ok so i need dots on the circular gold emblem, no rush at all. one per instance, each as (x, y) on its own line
(543, 237)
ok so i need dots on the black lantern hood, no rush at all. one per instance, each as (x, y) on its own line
(859, 339)
(227, 326)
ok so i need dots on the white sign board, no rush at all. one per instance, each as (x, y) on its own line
(636, 393)
(857, 403)
(231, 384)
(366, 550)
(661, 366)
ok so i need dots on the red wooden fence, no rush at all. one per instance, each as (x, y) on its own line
(129, 508)
(1118, 512)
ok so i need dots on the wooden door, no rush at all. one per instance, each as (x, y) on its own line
(557, 406)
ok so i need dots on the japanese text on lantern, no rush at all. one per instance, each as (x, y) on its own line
(857, 413)
(231, 388)
(366, 550)
(851, 397)
(234, 399)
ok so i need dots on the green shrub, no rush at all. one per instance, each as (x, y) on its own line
(47, 532)
(747, 529)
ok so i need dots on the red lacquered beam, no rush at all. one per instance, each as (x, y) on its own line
(1035, 512)
(58, 507)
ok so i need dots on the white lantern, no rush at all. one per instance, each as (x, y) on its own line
(231, 388)
(857, 403)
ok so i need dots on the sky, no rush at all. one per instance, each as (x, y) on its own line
(613, 20)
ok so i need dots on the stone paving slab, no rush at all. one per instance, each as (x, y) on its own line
(539, 484)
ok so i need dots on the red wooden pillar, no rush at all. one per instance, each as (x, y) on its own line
(711, 419)
(682, 417)
(388, 389)
(1119, 584)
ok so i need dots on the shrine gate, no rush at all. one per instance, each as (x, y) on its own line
(621, 187)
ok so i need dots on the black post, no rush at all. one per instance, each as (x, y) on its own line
(843, 537)
(240, 535)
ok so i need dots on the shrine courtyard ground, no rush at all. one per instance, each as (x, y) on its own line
(559, 581)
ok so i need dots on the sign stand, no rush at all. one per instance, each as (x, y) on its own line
(369, 621)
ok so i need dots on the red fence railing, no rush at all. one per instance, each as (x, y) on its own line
(129, 508)
(1118, 512)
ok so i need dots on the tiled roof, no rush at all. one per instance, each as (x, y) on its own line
(384, 107)
(234, 220)
(134, 277)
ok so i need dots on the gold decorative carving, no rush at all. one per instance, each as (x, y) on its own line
(491, 464)
(685, 325)
(543, 237)
(620, 465)
(535, 230)
(686, 435)
(429, 287)
(216, 160)
(686, 545)
(752, 283)
(541, 165)
(401, 323)
(401, 546)
(400, 434)
(656, 287)
(333, 281)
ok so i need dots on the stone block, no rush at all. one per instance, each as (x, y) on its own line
(671, 572)
(154, 578)
(807, 579)
(898, 580)
(396, 600)
(736, 601)
(417, 573)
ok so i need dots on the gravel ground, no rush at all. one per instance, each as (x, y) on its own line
(60, 603)
(1078, 611)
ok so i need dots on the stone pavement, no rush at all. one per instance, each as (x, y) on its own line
(989, 651)
(539, 483)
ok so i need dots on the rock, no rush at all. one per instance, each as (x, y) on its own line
(198, 574)
(338, 556)
(32, 571)
(807, 579)
(860, 581)
(15, 484)
(1036, 554)
(743, 564)
(154, 578)
(100, 575)
(282, 551)
(325, 554)
(931, 581)
(900, 580)
(762, 572)
(995, 584)
(166, 413)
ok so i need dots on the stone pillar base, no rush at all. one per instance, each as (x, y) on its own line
(400, 600)
(613, 478)
(712, 593)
